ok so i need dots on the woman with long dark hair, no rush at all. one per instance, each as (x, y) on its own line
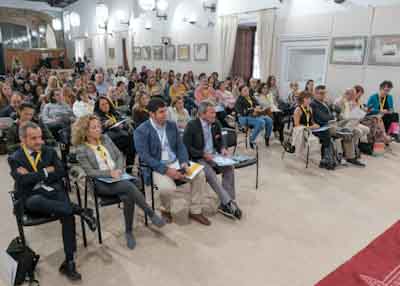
(121, 135)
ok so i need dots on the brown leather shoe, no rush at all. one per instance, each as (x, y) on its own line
(200, 219)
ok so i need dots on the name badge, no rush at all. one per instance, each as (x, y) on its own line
(164, 156)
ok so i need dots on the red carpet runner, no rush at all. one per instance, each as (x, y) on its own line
(376, 265)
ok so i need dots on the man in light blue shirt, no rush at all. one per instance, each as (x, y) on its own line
(101, 85)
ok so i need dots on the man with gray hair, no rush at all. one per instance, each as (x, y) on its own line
(38, 174)
(203, 140)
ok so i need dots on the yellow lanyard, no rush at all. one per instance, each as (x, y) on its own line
(382, 103)
(112, 118)
(249, 100)
(307, 113)
(101, 151)
(146, 110)
(34, 163)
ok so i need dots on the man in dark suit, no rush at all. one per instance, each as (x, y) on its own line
(203, 139)
(38, 175)
(322, 115)
(160, 146)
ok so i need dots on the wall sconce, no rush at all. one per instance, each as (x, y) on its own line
(123, 20)
(42, 29)
(75, 19)
(56, 23)
(148, 25)
(210, 5)
(147, 5)
(161, 9)
(191, 20)
(66, 22)
(102, 15)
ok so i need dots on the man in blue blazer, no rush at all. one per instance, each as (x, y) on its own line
(382, 102)
(160, 146)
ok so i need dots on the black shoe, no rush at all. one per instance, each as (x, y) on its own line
(356, 162)
(266, 141)
(227, 211)
(88, 217)
(237, 211)
(69, 269)
(252, 145)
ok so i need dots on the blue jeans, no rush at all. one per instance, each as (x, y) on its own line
(258, 124)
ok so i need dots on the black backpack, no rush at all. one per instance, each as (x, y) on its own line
(27, 260)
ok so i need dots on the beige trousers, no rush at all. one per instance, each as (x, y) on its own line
(196, 193)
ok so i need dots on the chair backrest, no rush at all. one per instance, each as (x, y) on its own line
(230, 137)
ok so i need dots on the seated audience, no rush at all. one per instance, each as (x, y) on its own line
(323, 115)
(11, 109)
(140, 112)
(5, 94)
(226, 103)
(120, 135)
(101, 85)
(178, 114)
(268, 102)
(382, 102)
(304, 124)
(349, 109)
(26, 114)
(100, 158)
(250, 114)
(204, 92)
(293, 93)
(177, 89)
(83, 104)
(153, 87)
(56, 114)
(38, 174)
(309, 86)
(203, 139)
(273, 89)
(377, 133)
(159, 146)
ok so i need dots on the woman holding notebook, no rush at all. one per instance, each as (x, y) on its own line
(101, 159)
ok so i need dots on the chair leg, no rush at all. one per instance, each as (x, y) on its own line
(96, 203)
(78, 194)
(308, 156)
(21, 231)
(143, 190)
(257, 166)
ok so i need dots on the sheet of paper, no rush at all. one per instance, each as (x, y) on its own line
(223, 161)
(8, 268)
(118, 123)
(110, 180)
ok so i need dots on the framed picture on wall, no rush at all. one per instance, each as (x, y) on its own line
(348, 50)
(137, 53)
(384, 50)
(146, 53)
(170, 53)
(111, 53)
(184, 52)
(200, 52)
(158, 53)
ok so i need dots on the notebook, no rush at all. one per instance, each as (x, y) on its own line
(110, 180)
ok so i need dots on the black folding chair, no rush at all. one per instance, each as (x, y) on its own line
(101, 201)
(230, 139)
(25, 218)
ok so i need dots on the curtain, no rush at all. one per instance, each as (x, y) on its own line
(244, 52)
(50, 38)
(265, 38)
(226, 37)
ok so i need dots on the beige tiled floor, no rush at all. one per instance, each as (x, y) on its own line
(300, 225)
